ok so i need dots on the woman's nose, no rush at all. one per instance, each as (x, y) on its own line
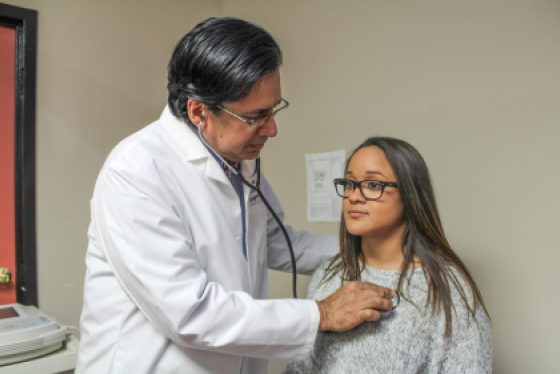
(356, 195)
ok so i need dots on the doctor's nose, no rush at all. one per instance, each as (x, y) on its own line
(268, 128)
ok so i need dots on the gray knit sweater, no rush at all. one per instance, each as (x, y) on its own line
(406, 340)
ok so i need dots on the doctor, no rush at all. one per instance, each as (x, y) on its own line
(179, 249)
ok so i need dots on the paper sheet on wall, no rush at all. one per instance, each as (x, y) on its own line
(323, 204)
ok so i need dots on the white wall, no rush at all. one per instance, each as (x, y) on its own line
(102, 75)
(475, 86)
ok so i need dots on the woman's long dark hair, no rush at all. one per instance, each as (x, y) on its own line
(423, 236)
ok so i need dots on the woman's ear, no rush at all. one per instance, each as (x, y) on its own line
(195, 111)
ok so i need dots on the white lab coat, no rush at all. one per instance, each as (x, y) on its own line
(168, 289)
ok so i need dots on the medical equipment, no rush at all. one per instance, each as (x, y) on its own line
(256, 188)
(396, 300)
(26, 333)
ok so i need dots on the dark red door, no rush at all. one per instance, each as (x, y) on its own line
(7, 162)
(18, 62)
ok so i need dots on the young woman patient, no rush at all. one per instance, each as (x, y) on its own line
(391, 235)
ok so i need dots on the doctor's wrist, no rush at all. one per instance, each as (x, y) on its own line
(324, 316)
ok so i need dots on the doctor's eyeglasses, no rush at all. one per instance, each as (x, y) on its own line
(370, 190)
(255, 123)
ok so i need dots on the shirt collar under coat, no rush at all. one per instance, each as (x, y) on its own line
(193, 149)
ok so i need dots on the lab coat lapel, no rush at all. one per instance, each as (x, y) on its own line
(188, 141)
(191, 146)
(215, 171)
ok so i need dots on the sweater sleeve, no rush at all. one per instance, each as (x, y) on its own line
(470, 351)
(470, 348)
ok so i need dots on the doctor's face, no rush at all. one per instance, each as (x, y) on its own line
(231, 137)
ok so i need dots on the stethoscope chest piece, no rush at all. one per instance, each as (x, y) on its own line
(396, 300)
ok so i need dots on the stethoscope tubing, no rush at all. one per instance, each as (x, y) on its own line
(257, 189)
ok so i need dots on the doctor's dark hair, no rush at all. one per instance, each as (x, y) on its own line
(217, 62)
(423, 237)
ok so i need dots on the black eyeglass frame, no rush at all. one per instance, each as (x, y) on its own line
(358, 184)
(263, 118)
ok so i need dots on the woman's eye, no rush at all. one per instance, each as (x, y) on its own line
(373, 185)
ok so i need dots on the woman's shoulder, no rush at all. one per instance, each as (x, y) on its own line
(465, 299)
(325, 280)
(459, 284)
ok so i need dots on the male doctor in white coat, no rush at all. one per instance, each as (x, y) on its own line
(179, 248)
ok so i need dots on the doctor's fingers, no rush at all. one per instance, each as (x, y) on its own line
(350, 306)
(364, 295)
(381, 291)
(375, 302)
(360, 296)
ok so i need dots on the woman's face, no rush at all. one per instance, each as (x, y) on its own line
(376, 218)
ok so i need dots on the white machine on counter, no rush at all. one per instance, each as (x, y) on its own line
(27, 333)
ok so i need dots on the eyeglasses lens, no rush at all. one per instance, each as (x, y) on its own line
(341, 188)
(259, 122)
(277, 109)
(369, 189)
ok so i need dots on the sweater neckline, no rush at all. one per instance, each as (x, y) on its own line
(377, 271)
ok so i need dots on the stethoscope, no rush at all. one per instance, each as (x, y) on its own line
(257, 189)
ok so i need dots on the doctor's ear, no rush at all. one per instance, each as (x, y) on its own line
(195, 111)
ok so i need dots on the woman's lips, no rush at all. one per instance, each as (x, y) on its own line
(356, 213)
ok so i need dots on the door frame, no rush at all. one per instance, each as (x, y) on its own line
(24, 21)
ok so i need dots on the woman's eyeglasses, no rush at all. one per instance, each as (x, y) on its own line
(370, 189)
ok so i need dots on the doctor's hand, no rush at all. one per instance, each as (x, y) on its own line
(352, 304)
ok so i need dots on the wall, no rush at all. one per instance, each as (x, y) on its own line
(102, 75)
(475, 86)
